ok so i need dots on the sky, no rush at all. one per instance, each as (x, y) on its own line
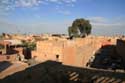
(54, 16)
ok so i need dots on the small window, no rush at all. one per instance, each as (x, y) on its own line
(57, 57)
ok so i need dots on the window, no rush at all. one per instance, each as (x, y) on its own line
(57, 57)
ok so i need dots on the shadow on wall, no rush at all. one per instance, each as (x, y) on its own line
(27, 53)
(107, 58)
(55, 72)
(4, 65)
(11, 50)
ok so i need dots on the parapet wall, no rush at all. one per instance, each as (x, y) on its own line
(7, 57)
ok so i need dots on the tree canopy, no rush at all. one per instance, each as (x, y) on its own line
(30, 45)
(80, 28)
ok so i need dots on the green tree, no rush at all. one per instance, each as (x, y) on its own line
(73, 31)
(30, 45)
(80, 28)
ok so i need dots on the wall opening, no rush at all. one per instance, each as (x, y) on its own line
(57, 57)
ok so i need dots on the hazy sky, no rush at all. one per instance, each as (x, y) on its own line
(54, 16)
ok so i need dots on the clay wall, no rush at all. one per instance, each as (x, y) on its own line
(49, 50)
(76, 52)
(7, 57)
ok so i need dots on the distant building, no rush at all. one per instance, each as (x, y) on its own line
(4, 45)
